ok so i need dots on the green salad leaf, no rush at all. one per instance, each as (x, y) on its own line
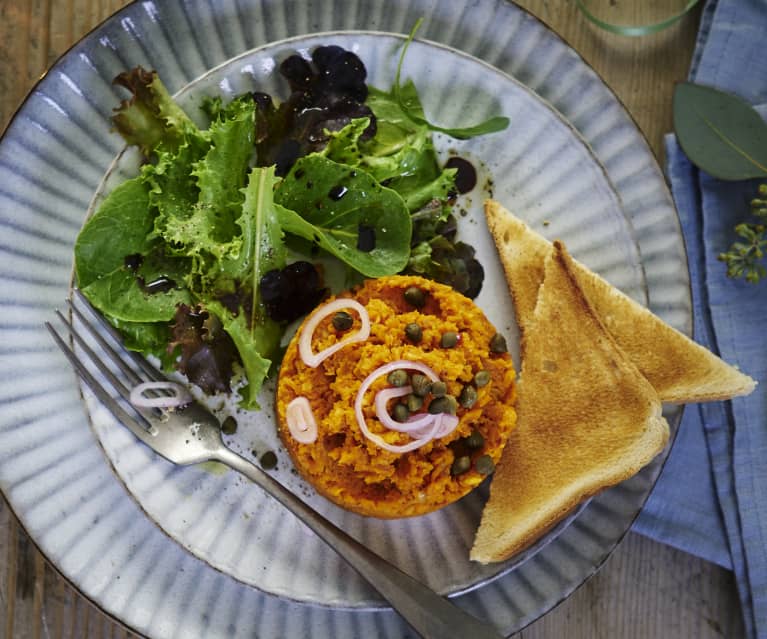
(189, 259)
(415, 113)
(401, 155)
(338, 204)
(196, 230)
(150, 119)
(119, 228)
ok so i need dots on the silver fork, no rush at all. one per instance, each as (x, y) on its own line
(192, 434)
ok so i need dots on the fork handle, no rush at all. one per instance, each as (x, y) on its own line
(430, 614)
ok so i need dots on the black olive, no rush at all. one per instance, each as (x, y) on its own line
(465, 176)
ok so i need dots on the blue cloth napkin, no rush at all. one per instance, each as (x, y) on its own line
(711, 499)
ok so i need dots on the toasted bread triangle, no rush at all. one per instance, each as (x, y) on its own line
(679, 369)
(586, 419)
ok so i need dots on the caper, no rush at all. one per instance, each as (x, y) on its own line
(498, 344)
(484, 465)
(482, 378)
(468, 396)
(414, 403)
(342, 321)
(397, 378)
(438, 389)
(421, 385)
(449, 339)
(229, 426)
(475, 441)
(268, 460)
(460, 465)
(415, 296)
(446, 404)
(400, 413)
(413, 332)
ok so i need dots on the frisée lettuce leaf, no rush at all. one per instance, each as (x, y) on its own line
(196, 230)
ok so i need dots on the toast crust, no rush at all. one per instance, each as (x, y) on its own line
(568, 444)
(678, 368)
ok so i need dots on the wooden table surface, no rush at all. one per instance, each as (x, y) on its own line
(645, 590)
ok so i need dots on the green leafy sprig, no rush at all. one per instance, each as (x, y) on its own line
(724, 136)
(491, 125)
(744, 258)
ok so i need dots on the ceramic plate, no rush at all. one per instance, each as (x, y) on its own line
(538, 167)
(92, 522)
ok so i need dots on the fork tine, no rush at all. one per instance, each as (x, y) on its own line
(118, 384)
(138, 429)
(137, 359)
(113, 354)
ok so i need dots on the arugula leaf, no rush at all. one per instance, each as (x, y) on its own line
(264, 249)
(720, 132)
(414, 113)
(330, 203)
(256, 337)
(250, 342)
(405, 159)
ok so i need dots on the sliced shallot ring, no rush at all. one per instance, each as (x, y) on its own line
(449, 424)
(412, 445)
(180, 397)
(368, 381)
(382, 412)
(313, 360)
(301, 422)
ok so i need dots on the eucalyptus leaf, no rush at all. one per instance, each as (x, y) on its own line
(720, 132)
